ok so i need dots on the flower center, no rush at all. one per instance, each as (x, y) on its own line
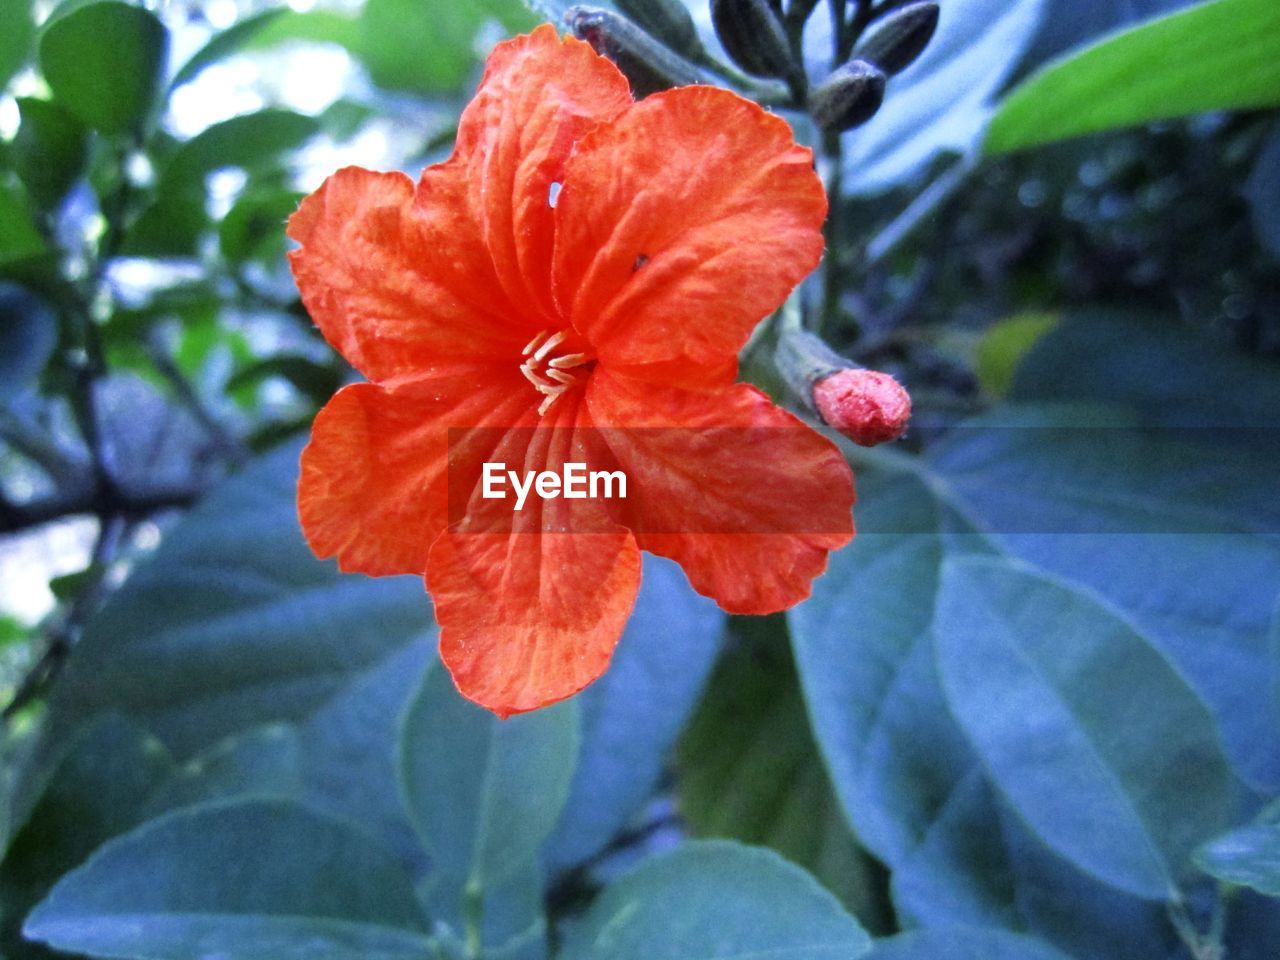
(547, 369)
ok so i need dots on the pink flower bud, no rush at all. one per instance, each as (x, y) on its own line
(867, 406)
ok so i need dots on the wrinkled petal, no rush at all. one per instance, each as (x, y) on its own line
(530, 615)
(679, 227)
(399, 288)
(745, 497)
(373, 488)
(538, 97)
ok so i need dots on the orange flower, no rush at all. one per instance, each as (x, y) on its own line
(583, 262)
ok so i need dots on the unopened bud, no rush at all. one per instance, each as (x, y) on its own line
(867, 406)
(753, 37)
(668, 21)
(643, 60)
(849, 97)
(900, 37)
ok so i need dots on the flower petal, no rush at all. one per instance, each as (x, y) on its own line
(530, 614)
(748, 499)
(538, 97)
(396, 285)
(679, 227)
(373, 488)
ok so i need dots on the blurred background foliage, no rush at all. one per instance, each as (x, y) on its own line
(1033, 712)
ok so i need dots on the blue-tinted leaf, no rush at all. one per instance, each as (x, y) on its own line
(28, 334)
(507, 780)
(1263, 193)
(1247, 857)
(879, 717)
(632, 715)
(962, 943)
(716, 900)
(244, 880)
(942, 101)
(261, 763)
(104, 63)
(1081, 723)
(98, 789)
(1188, 542)
(234, 623)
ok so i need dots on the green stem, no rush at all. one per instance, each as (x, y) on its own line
(472, 918)
(833, 148)
(919, 209)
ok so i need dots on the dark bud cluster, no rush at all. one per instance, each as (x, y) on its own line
(668, 21)
(849, 97)
(896, 42)
(752, 35)
(647, 63)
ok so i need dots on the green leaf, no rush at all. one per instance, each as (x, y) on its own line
(1044, 681)
(171, 225)
(1246, 857)
(19, 238)
(962, 943)
(17, 30)
(230, 41)
(234, 622)
(1004, 344)
(104, 63)
(247, 880)
(716, 900)
(98, 790)
(633, 714)
(251, 142)
(749, 770)
(50, 151)
(313, 26)
(253, 229)
(1227, 58)
(427, 46)
(508, 780)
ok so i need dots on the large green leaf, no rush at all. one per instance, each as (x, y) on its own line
(1248, 856)
(507, 780)
(716, 900)
(750, 771)
(50, 150)
(234, 623)
(632, 715)
(427, 46)
(104, 63)
(253, 879)
(232, 40)
(1219, 55)
(1081, 723)
(17, 30)
(99, 789)
(19, 238)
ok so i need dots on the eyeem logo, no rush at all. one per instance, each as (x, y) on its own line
(575, 483)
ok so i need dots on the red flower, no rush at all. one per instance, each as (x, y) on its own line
(479, 298)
